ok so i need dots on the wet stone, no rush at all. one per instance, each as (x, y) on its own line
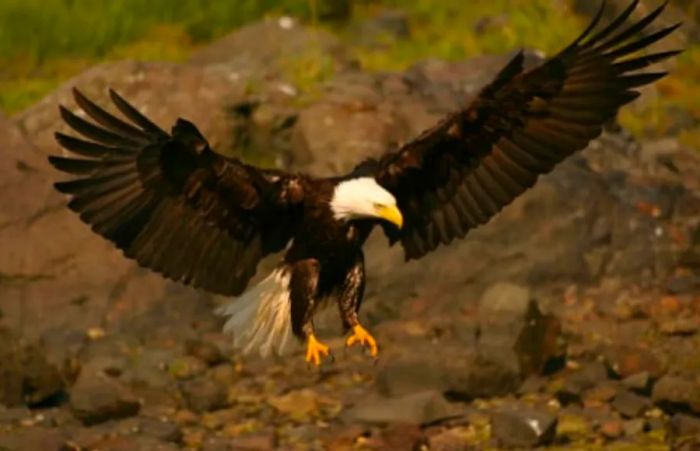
(523, 427)
(682, 284)
(630, 404)
(96, 398)
(203, 394)
(403, 376)
(31, 439)
(576, 383)
(685, 425)
(401, 436)
(639, 382)
(205, 351)
(626, 360)
(679, 326)
(450, 440)
(186, 367)
(673, 393)
(612, 429)
(601, 393)
(573, 427)
(634, 427)
(160, 429)
(418, 408)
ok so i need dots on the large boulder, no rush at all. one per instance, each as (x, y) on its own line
(58, 277)
(273, 48)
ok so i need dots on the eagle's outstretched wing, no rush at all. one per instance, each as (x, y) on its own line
(460, 173)
(171, 203)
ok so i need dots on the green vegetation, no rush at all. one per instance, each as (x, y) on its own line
(45, 42)
(448, 31)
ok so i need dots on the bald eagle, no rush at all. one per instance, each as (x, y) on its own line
(174, 205)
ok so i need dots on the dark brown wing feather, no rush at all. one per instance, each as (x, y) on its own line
(170, 202)
(463, 171)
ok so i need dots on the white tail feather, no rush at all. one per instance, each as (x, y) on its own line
(261, 317)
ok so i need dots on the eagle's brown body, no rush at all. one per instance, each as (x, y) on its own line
(174, 205)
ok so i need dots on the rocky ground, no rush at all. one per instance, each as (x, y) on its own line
(571, 321)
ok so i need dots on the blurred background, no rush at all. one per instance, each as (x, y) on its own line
(44, 43)
(570, 321)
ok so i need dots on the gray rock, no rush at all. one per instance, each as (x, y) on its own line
(630, 404)
(639, 382)
(160, 429)
(264, 48)
(523, 427)
(207, 352)
(685, 425)
(96, 398)
(34, 438)
(13, 415)
(133, 443)
(26, 377)
(449, 440)
(462, 375)
(513, 332)
(403, 376)
(587, 376)
(679, 326)
(634, 427)
(418, 408)
(673, 393)
(477, 377)
(331, 138)
(204, 394)
(682, 284)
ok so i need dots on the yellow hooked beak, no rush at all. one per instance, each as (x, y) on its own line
(391, 213)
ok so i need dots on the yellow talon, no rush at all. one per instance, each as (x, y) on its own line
(360, 335)
(314, 350)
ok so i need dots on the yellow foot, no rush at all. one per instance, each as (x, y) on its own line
(360, 335)
(315, 350)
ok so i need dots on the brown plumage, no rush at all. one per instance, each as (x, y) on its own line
(174, 205)
(460, 173)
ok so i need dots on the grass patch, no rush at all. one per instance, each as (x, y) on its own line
(44, 42)
(455, 31)
(68, 36)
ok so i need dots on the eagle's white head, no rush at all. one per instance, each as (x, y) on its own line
(363, 198)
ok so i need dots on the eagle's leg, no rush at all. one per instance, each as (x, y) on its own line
(315, 350)
(303, 290)
(349, 302)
